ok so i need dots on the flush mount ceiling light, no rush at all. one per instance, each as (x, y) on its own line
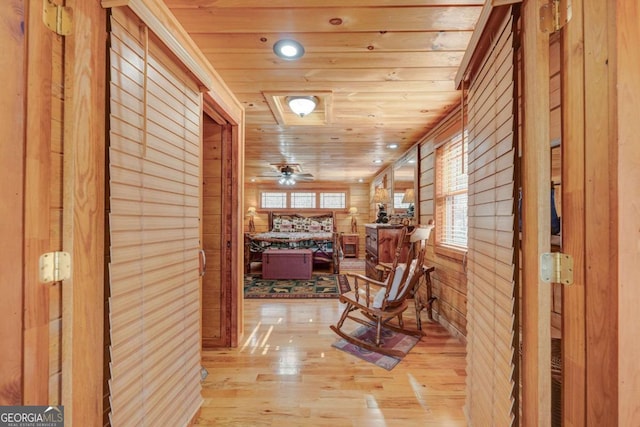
(302, 105)
(288, 49)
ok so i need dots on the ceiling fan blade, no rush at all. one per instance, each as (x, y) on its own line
(303, 177)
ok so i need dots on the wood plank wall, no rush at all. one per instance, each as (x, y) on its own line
(212, 320)
(12, 150)
(84, 212)
(628, 177)
(39, 191)
(449, 279)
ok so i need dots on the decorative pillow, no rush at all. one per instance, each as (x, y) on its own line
(315, 227)
(327, 224)
(298, 224)
(286, 226)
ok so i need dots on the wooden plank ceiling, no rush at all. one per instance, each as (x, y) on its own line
(384, 69)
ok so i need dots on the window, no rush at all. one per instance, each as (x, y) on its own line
(303, 200)
(333, 200)
(273, 200)
(451, 193)
(397, 201)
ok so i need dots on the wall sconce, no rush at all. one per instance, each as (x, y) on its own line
(381, 197)
(251, 212)
(409, 197)
(353, 211)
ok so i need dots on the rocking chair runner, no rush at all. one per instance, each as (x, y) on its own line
(381, 302)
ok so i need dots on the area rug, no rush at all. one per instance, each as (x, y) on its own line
(352, 264)
(319, 286)
(390, 339)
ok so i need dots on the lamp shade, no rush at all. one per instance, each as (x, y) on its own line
(381, 195)
(251, 211)
(302, 105)
(353, 210)
(409, 196)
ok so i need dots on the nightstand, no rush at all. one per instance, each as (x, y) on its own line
(350, 245)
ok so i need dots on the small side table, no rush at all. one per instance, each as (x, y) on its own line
(421, 305)
(350, 244)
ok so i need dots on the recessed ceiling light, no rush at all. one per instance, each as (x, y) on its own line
(288, 49)
(360, 180)
(377, 161)
(392, 146)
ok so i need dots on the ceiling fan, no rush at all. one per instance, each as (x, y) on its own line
(288, 174)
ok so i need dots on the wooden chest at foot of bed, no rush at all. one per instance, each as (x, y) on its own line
(287, 264)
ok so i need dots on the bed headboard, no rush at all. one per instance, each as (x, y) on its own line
(284, 221)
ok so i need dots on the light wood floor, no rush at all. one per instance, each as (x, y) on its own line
(285, 373)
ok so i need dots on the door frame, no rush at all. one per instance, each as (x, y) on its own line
(231, 232)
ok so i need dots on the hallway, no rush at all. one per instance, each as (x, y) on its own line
(285, 373)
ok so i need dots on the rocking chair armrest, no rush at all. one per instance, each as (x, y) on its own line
(367, 280)
(368, 283)
(385, 266)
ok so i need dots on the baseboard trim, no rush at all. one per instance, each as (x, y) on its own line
(449, 327)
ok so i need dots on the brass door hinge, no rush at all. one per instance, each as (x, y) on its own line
(556, 267)
(555, 15)
(56, 18)
(54, 266)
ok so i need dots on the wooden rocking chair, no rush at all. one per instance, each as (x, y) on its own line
(380, 302)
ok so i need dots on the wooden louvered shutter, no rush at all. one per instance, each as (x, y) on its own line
(490, 271)
(154, 304)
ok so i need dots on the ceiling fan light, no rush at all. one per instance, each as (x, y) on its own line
(287, 49)
(302, 105)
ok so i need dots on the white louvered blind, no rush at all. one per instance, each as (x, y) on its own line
(490, 270)
(154, 306)
(451, 192)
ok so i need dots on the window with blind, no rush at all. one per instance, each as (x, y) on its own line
(451, 193)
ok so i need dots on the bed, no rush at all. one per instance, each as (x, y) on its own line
(316, 232)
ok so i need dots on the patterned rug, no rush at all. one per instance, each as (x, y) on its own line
(390, 339)
(352, 264)
(320, 286)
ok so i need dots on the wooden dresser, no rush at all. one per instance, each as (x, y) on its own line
(381, 241)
